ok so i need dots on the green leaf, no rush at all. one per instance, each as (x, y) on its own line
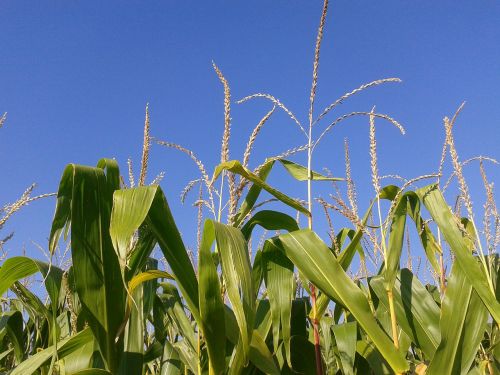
(259, 354)
(252, 195)
(377, 362)
(211, 305)
(11, 324)
(416, 311)
(175, 310)
(237, 274)
(299, 172)
(280, 283)
(154, 210)
(84, 202)
(170, 361)
(269, 220)
(64, 348)
(443, 217)
(463, 322)
(17, 268)
(92, 371)
(345, 337)
(132, 358)
(235, 167)
(310, 254)
(395, 246)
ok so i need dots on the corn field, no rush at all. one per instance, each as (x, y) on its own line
(263, 293)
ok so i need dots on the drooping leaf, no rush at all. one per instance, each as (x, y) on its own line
(252, 195)
(64, 348)
(17, 268)
(269, 220)
(235, 167)
(154, 210)
(311, 255)
(443, 217)
(299, 172)
(11, 324)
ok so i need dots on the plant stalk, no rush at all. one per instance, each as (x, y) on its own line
(317, 348)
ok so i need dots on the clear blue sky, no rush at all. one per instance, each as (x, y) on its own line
(75, 77)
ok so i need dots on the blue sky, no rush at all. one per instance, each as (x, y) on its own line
(75, 78)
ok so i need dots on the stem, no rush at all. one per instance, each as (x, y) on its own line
(220, 196)
(394, 326)
(442, 276)
(317, 348)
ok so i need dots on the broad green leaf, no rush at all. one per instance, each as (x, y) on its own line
(130, 208)
(140, 254)
(377, 362)
(270, 220)
(311, 255)
(11, 324)
(235, 167)
(259, 354)
(146, 276)
(84, 202)
(280, 283)
(170, 361)
(263, 320)
(443, 217)
(211, 305)
(17, 268)
(175, 310)
(346, 337)
(396, 236)
(417, 313)
(303, 356)
(299, 172)
(252, 195)
(64, 348)
(237, 274)
(427, 239)
(156, 213)
(133, 343)
(92, 371)
(463, 322)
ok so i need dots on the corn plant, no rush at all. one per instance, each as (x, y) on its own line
(294, 306)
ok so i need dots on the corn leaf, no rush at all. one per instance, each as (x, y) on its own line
(237, 274)
(299, 172)
(170, 361)
(269, 220)
(345, 337)
(416, 311)
(279, 279)
(84, 202)
(463, 322)
(252, 195)
(64, 348)
(311, 255)
(235, 167)
(443, 217)
(211, 305)
(154, 210)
